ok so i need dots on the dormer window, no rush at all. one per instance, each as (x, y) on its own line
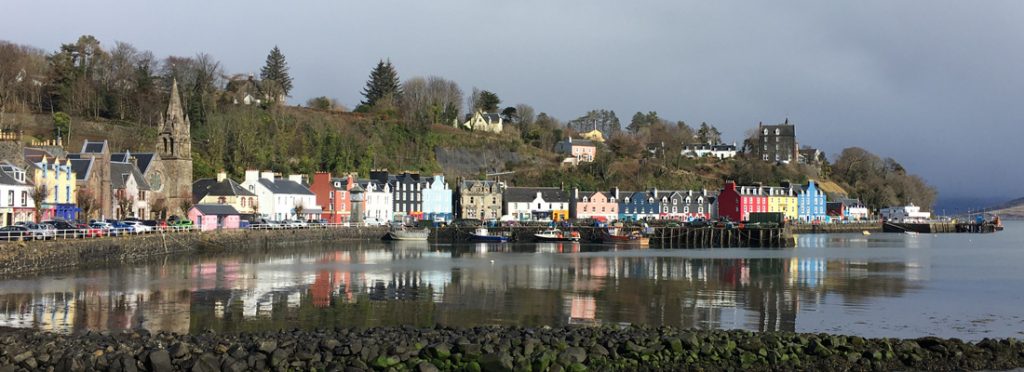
(766, 132)
(776, 131)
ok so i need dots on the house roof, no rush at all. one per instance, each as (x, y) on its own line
(209, 186)
(784, 129)
(35, 155)
(7, 178)
(81, 167)
(578, 142)
(285, 186)
(94, 147)
(527, 194)
(145, 159)
(216, 209)
(119, 173)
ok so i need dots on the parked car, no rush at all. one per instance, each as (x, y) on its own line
(40, 231)
(65, 229)
(317, 223)
(138, 226)
(298, 224)
(181, 223)
(107, 229)
(14, 233)
(118, 228)
(90, 231)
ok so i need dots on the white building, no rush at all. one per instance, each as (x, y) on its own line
(906, 213)
(483, 122)
(536, 203)
(699, 150)
(379, 202)
(16, 203)
(280, 198)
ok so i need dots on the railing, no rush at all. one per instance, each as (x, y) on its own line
(91, 233)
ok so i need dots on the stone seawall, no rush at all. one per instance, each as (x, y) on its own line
(830, 228)
(18, 258)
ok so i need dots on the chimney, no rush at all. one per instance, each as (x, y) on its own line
(221, 176)
(267, 175)
(655, 192)
(251, 175)
(297, 178)
(615, 191)
(576, 193)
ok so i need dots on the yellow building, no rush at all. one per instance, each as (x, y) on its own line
(594, 135)
(782, 199)
(224, 190)
(58, 179)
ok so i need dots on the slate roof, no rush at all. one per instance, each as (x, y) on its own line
(285, 186)
(784, 129)
(209, 186)
(35, 155)
(8, 179)
(216, 209)
(81, 167)
(119, 173)
(94, 147)
(145, 159)
(578, 142)
(527, 194)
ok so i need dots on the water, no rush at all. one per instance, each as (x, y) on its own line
(883, 285)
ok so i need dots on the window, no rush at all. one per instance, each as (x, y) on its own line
(67, 194)
(24, 198)
(766, 131)
(10, 198)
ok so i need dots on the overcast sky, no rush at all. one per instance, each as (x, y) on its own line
(937, 85)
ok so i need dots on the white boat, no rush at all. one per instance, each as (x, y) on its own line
(555, 235)
(408, 233)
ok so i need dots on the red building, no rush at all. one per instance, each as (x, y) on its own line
(333, 194)
(737, 202)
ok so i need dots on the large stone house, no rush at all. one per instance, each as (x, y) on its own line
(92, 172)
(130, 190)
(479, 199)
(776, 143)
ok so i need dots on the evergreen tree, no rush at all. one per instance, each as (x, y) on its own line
(383, 83)
(488, 101)
(276, 70)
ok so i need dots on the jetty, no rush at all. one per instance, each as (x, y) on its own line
(667, 237)
(941, 227)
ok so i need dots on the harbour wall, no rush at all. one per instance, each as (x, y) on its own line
(17, 258)
(835, 228)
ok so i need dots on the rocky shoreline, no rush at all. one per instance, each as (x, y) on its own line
(495, 349)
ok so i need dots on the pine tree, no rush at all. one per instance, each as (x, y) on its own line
(276, 70)
(383, 83)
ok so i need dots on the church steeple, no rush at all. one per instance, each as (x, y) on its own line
(174, 140)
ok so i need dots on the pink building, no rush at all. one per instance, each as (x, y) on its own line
(208, 217)
(596, 205)
(578, 149)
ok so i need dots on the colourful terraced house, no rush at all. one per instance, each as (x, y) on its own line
(812, 203)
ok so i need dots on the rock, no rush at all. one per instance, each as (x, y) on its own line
(159, 361)
(572, 355)
(500, 361)
(21, 357)
(177, 350)
(440, 351)
(278, 357)
(268, 346)
(426, 367)
(207, 363)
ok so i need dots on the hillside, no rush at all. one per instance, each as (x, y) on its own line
(1013, 209)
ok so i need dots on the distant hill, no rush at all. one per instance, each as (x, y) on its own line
(1013, 209)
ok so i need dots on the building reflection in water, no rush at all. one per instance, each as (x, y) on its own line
(373, 284)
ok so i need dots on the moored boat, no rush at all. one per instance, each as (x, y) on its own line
(408, 233)
(634, 237)
(481, 234)
(555, 235)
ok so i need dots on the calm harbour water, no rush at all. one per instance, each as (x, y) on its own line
(969, 286)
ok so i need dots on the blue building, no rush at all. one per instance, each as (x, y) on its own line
(638, 205)
(437, 199)
(811, 204)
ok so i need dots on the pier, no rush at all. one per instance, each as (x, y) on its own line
(941, 227)
(661, 237)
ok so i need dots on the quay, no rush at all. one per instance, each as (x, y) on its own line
(661, 236)
(941, 227)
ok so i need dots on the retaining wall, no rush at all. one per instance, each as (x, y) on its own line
(35, 256)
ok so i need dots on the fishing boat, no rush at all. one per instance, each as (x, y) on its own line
(555, 235)
(634, 237)
(482, 235)
(402, 232)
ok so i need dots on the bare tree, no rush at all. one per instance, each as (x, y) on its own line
(186, 204)
(431, 100)
(124, 203)
(39, 195)
(299, 208)
(88, 204)
(159, 207)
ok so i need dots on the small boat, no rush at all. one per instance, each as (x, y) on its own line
(865, 232)
(555, 235)
(630, 238)
(914, 233)
(482, 235)
(408, 233)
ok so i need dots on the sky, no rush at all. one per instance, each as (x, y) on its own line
(936, 85)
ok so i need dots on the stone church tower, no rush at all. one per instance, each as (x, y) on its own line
(174, 145)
